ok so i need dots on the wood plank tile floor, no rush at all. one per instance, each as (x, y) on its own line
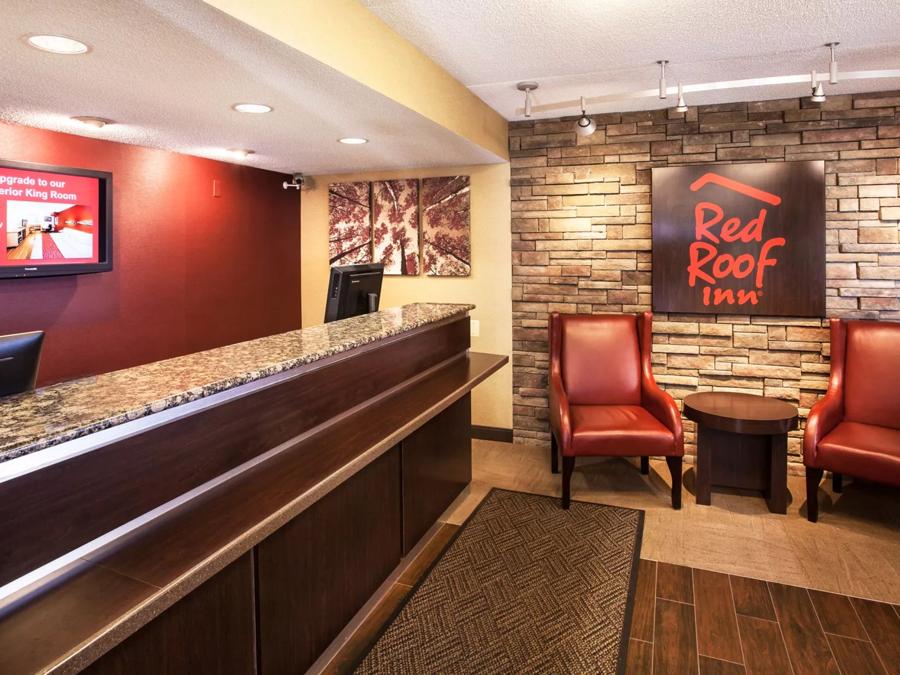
(689, 620)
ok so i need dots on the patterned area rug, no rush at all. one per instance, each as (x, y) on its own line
(525, 587)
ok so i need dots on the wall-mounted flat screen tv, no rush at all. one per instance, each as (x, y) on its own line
(54, 220)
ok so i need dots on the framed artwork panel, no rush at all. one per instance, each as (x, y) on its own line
(349, 224)
(446, 236)
(395, 225)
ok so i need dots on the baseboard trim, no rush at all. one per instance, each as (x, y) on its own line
(492, 433)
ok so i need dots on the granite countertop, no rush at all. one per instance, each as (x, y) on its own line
(62, 412)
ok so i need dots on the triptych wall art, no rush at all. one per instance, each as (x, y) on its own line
(409, 225)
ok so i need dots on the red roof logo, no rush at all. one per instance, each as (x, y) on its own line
(736, 186)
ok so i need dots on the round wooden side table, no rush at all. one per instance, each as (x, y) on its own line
(742, 443)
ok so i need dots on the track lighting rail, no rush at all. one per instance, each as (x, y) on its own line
(574, 104)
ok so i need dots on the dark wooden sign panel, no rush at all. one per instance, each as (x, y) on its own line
(740, 239)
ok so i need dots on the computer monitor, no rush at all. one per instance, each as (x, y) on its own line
(19, 357)
(353, 290)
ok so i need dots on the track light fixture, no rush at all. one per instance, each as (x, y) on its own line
(832, 67)
(681, 106)
(818, 89)
(662, 78)
(527, 87)
(584, 125)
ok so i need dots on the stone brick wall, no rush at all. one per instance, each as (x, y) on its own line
(581, 239)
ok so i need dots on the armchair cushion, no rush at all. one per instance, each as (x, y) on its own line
(619, 430)
(863, 450)
(872, 373)
(601, 362)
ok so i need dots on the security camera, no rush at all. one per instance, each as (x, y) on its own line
(298, 182)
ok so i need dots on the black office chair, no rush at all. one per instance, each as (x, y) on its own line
(19, 357)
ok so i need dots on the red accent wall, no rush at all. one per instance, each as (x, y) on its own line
(190, 271)
(76, 213)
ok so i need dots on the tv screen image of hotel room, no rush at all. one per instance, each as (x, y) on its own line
(48, 218)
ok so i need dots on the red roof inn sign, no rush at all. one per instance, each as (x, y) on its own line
(740, 239)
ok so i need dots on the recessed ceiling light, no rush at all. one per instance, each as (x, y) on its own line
(57, 44)
(256, 108)
(353, 141)
(241, 153)
(96, 122)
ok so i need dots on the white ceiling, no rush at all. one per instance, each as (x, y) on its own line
(167, 71)
(597, 47)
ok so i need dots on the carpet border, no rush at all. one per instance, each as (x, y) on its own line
(629, 598)
(629, 601)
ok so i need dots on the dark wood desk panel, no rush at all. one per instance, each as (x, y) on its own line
(437, 466)
(211, 630)
(319, 569)
(47, 629)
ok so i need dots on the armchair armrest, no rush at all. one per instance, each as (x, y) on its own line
(663, 407)
(828, 411)
(559, 414)
(659, 403)
(823, 417)
(559, 402)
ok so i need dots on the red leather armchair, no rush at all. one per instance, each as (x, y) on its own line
(855, 427)
(603, 398)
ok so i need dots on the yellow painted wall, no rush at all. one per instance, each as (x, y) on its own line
(345, 35)
(488, 287)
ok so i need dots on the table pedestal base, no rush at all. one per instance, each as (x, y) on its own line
(743, 461)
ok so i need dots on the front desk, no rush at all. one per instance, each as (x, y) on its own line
(230, 511)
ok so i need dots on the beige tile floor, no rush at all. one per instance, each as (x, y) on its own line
(854, 549)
